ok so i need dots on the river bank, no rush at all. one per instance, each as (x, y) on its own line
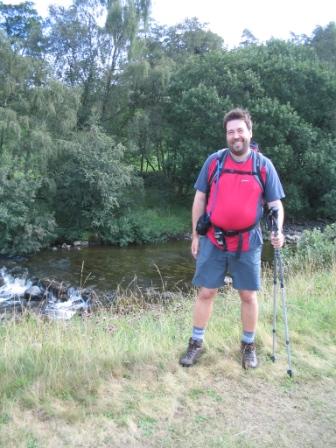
(292, 230)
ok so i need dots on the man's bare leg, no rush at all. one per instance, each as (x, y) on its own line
(203, 307)
(249, 310)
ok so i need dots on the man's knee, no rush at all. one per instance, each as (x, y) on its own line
(206, 294)
(248, 296)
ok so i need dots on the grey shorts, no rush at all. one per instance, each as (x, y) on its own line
(213, 264)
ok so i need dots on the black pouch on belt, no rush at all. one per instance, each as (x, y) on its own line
(203, 224)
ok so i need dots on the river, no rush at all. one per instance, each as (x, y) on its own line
(168, 266)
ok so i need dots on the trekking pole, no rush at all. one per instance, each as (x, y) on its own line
(275, 293)
(279, 271)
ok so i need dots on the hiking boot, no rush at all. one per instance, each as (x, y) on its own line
(194, 351)
(249, 355)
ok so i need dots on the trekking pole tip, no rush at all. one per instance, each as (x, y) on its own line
(290, 373)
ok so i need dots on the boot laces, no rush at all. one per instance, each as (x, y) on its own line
(192, 349)
(248, 348)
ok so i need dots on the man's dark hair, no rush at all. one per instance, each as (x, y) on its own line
(238, 114)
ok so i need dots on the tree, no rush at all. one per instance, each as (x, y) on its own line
(91, 56)
(75, 42)
(93, 185)
(151, 99)
(124, 19)
(189, 38)
(24, 28)
(247, 38)
(292, 74)
(324, 43)
(196, 132)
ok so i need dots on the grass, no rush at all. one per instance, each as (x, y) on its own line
(111, 379)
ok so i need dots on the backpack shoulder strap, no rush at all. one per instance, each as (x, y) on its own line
(220, 159)
(259, 161)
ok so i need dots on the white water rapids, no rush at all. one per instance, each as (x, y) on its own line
(13, 294)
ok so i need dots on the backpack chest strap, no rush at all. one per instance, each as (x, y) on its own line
(234, 171)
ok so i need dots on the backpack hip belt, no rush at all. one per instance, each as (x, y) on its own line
(220, 235)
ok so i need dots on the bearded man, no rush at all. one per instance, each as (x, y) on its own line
(231, 190)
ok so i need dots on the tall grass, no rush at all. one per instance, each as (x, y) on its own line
(41, 358)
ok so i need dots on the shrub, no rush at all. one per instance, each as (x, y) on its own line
(316, 248)
(147, 226)
(25, 226)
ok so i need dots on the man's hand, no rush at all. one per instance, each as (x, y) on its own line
(277, 240)
(195, 245)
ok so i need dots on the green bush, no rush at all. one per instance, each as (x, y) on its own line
(147, 226)
(316, 248)
(25, 226)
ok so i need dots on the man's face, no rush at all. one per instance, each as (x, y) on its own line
(238, 137)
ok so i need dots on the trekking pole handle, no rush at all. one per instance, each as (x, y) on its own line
(272, 220)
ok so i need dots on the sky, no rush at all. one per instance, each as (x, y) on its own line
(229, 18)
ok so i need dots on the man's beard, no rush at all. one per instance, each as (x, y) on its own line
(239, 147)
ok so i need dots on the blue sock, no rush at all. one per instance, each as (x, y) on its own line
(248, 337)
(198, 334)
